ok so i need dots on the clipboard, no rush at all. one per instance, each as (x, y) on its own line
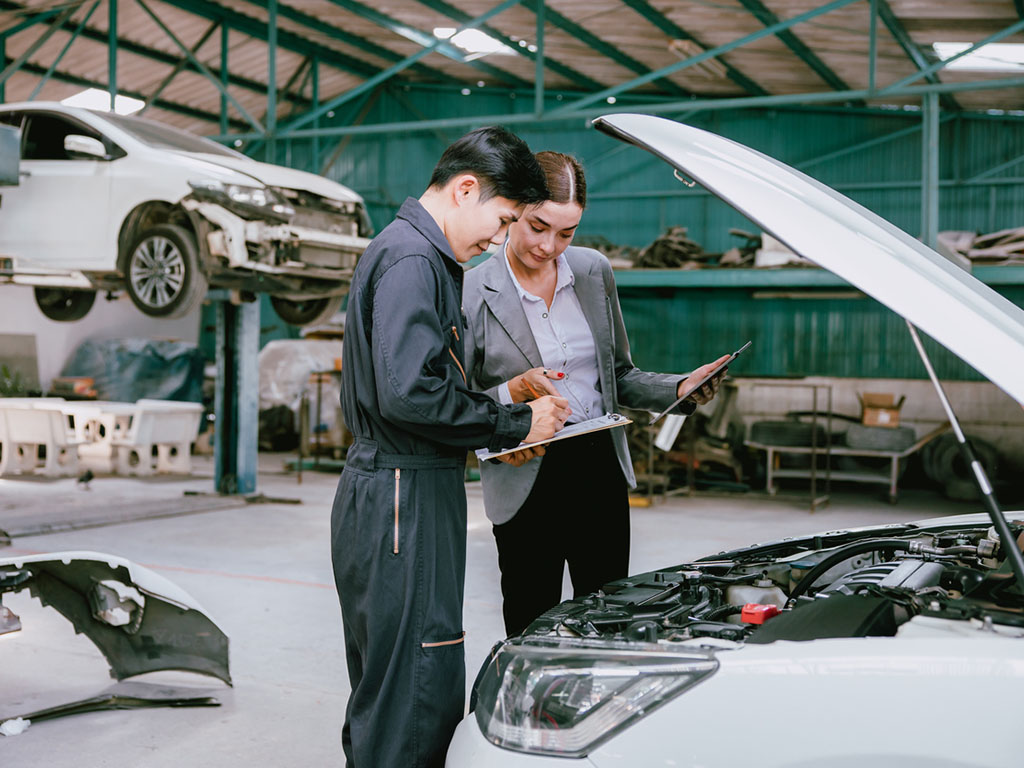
(691, 389)
(608, 421)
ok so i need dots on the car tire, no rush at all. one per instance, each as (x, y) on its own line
(162, 274)
(788, 433)
(953, 474)
(306, 311)
(879, 438)
(65, 305)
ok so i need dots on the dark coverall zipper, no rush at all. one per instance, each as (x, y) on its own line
(398, 477)
(451, 352)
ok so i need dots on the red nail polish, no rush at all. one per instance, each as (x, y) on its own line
(561, 375)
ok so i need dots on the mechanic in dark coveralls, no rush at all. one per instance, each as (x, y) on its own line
(398, 527)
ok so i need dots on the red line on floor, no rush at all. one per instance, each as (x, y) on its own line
(199, 571)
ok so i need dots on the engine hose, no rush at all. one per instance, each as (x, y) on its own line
(844, 553)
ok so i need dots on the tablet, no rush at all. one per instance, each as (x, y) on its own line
(693, 388)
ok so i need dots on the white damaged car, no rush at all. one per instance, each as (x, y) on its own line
(898, 645)
(110, 203)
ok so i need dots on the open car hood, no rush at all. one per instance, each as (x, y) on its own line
(973, 321)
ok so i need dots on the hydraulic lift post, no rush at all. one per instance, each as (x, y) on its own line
(236, 402)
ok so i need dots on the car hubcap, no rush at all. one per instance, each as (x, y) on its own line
(157, 272)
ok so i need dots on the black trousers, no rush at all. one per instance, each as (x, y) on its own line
(398, 531)
(576, 513)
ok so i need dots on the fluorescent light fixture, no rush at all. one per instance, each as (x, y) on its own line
(94, 98)
(994, 57)
(472, 41)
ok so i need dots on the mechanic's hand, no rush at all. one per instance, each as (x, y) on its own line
(519, 458)
(706, 393)
(534, 383)
(549, 415)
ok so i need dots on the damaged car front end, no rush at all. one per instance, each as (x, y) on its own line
(294, 243)
(140, 621)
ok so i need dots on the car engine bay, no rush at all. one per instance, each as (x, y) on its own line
(843, 585)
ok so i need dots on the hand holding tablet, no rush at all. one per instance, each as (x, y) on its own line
(694, 386)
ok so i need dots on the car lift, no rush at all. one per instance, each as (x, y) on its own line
(236, 402)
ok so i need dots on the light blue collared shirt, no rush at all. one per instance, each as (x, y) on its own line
(564, 340)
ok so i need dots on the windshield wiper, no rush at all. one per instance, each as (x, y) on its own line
(1009, 541)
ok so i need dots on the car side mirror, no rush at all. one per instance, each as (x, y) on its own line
(85, 148)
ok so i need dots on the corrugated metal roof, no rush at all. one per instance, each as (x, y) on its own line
(598, 43)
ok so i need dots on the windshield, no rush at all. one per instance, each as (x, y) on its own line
(165, 137)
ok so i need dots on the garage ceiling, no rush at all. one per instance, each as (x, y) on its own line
(588, 47)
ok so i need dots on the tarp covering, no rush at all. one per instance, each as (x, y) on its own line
(126, 370)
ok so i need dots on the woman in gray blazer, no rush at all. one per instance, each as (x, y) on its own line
(544, 318)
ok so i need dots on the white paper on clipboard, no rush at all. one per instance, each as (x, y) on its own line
(608, 421)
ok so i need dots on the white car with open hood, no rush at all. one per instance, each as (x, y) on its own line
(897, 645)
(109, 203)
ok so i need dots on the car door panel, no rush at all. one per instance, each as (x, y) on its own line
(58, 216)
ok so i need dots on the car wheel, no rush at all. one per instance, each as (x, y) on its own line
(163, 274)
(953, 474)
(64, 305)
(306, 311)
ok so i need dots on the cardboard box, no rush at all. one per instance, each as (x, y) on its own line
(880, 409)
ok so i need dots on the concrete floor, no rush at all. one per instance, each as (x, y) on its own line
(263, 572)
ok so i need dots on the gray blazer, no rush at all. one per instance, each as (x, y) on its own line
(500, 345)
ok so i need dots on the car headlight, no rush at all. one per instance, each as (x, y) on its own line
(565, 700)
(245, 196)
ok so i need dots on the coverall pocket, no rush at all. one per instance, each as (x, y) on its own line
(443, 641)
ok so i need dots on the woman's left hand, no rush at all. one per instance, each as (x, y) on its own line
(706, 393)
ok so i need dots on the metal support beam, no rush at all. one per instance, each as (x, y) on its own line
(53, 65)
(84, 82)
(861, 146)
(872, 44)
(31, 21)
(673, 30)
(182, 62)
(709, 54)
(38, 43)
(796, 45)
(236, 399)
(902, 37)
(387, 73)
(426, 39)
(336, 33)
(666, 107)
(930, 170)
(996, 169)
(538, 72)
(224, 45)
(457, 14)
(935, 67)
(201, 67)
(112, 51)
(271, 119)
(153, 54)
(314, 69)
(605, 49)
(288, 40)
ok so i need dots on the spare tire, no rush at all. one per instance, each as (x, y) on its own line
(788, 433)
(949, 469)
(879, 438)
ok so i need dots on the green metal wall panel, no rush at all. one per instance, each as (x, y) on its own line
(634, 197)
(677, 329)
